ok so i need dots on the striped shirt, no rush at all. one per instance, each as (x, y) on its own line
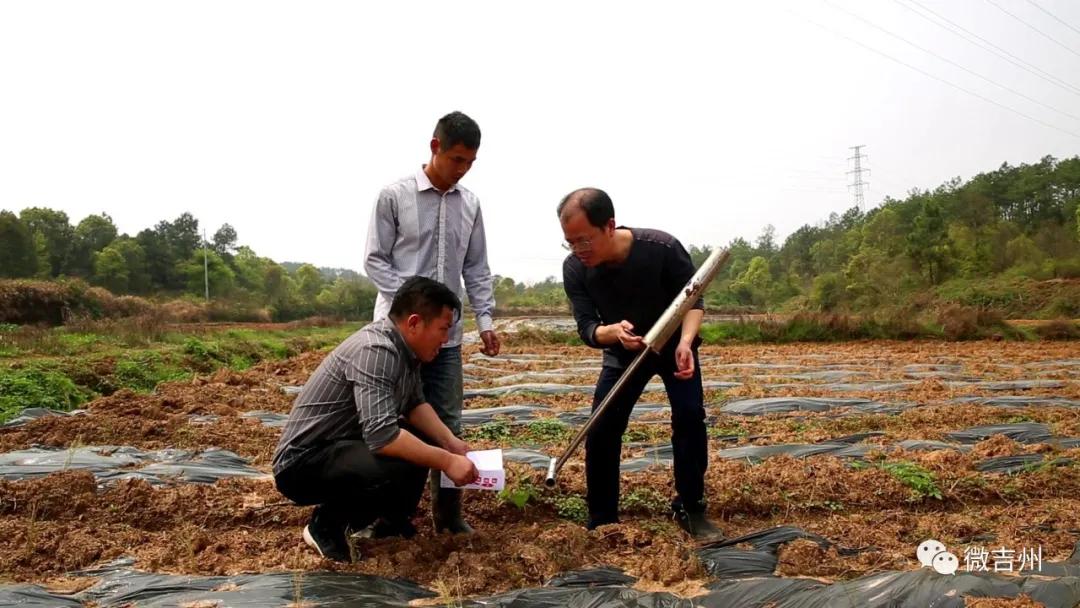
(359, 391)
(416, 230)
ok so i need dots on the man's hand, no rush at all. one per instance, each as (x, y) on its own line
(461, 470)
(491, 343)
(456, 446)
(624, 332)
(684, 361)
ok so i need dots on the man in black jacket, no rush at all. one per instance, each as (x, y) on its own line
(619, 281)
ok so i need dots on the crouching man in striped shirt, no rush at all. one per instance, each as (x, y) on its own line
(360, 438)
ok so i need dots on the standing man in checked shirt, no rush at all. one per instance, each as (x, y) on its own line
(425, 224)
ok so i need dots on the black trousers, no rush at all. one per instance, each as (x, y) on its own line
(603, 446)
(352, 486)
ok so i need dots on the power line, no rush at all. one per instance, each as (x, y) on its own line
(889, 183)
(807, 172)
(951, 62)
(783, 186)
(1035, 29)
(828, 179)
(937, 78)
(1058, 19)
(988, 46)
(837, 191)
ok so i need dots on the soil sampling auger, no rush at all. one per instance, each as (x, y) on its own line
(655, 340)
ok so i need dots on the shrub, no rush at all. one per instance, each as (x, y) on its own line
(572, 507)
(34, 387)
(967, 323)
(1059, 329)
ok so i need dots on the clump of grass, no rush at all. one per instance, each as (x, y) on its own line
(531, 336)
(142, 372)
(496, 430)
(546, 430)
(644, 500)
(727, 431)
(969, 323)
(63, 367)
(449, 593)
(36, 387)
(200, 351)
(954, 322)
(572, 507)
(645, 433)
(921, 481)
(1058, 329)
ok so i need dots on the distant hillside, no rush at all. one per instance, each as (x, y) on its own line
(171, 260)
(327, 273)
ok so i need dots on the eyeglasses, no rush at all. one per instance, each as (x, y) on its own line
(581, 245)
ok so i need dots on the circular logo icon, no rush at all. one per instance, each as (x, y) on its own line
(946, 563)
(927, 550)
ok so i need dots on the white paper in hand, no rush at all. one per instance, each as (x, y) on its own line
(490, 465)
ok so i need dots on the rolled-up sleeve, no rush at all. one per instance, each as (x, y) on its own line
(373, 375)
(378, 254)
(477, 276)
(585, 314)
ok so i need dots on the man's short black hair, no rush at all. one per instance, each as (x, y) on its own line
(593, 201)
(425, 297)
(457, 128)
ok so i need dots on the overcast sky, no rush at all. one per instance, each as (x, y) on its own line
(709, 121)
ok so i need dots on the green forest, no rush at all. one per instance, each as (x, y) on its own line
(1006, 240)
(987, 242)
(171, 260)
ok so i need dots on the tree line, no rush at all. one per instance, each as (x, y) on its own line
(1016, 222)
(1001, 229)
(168, 260)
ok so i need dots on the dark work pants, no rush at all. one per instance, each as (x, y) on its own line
(443, 386)
(352, 486)
(444, 389)
(603, 446)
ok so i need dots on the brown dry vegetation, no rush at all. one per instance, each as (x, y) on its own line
(64, 522)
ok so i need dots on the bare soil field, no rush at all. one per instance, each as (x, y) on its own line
(828, 439)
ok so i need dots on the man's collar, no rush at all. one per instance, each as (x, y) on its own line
(403, 346)
(423, 183)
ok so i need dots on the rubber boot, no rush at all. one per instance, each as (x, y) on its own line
(446, 507)
(695, 523)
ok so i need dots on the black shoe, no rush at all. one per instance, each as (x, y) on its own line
(327, 537)
(697, 525)
(384, 528)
